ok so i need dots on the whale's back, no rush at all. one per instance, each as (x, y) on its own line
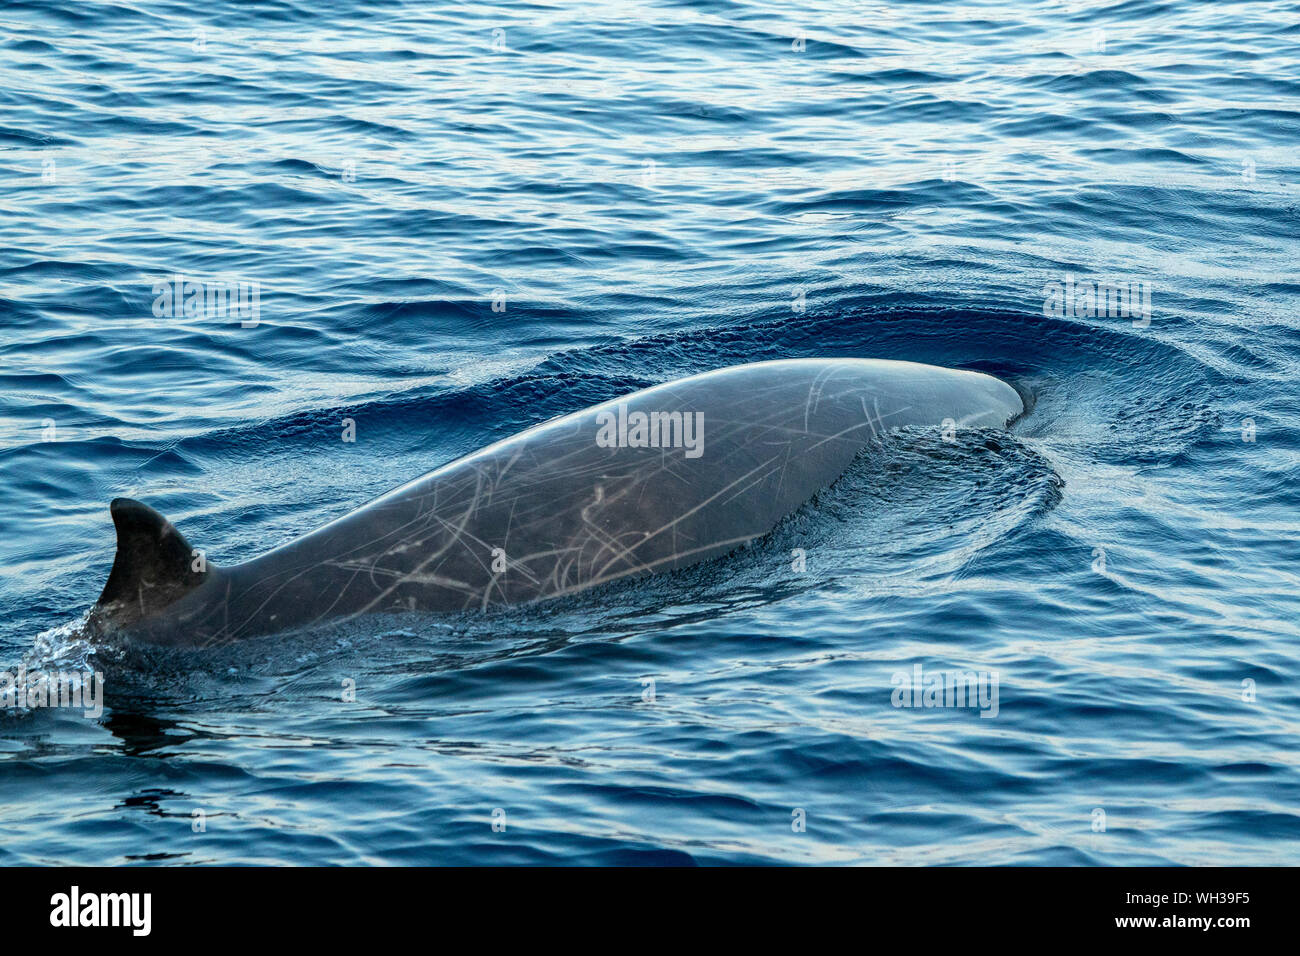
(659, 479)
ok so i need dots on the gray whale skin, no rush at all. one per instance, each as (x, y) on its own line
(710, 462)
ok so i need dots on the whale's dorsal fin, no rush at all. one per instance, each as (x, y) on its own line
(154, 565)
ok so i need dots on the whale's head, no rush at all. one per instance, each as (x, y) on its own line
(153, 568)
(893, 393)
(989, 401)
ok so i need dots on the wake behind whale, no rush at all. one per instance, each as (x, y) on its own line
(659, 479)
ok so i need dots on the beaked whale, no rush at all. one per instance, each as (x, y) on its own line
(659, 479)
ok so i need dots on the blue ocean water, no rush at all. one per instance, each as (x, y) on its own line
(463, 219)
